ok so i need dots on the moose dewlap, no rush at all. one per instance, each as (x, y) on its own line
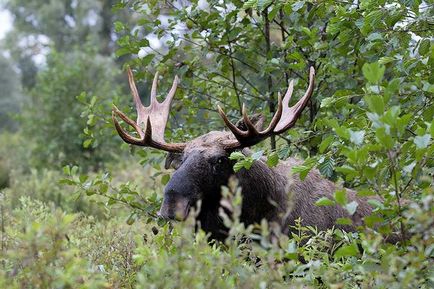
(202, 166)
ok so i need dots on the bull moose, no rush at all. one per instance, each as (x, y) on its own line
(202, 166)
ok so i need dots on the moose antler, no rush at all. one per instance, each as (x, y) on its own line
(284, 118)
(152, 119)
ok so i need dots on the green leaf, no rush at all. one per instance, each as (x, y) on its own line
(384, 138)
(344, 221)
(250, 4)
(374, 18)
(122, 51)
(257, 155)
(342, 132)
(236, 156)
(67, 182)
(74, 170)
(351, 207)
(392, 87)
(82, 97)
(366, 193)
(424, 46)
(238, 166)
(302, 170)
(83, 178)
(326, 143)
(432, 128)
(262, 4)
(67, 170)
(91, 120)
(247, 163)
(349, 172)
(422, 141)
(373, 219)
(375, 203)
(272, 159)
(327, 102)
(324, 201)
(165, 179)
(273, 13)
(347, 251)
(375, 103)
(119, 26)
(132, 218)
(326, 168)
(385, 59)
(297, 6)
(356, 137)
(147, 59)
(103, 188)
(341, 197)
(373, 72)
(87, 143)
(90, 193)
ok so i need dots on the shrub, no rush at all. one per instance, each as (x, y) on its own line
(36, 252)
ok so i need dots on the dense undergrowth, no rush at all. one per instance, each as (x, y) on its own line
(47, 247)
(54, 237)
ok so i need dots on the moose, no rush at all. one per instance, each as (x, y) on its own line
(202, 166)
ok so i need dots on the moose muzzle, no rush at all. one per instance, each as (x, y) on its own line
(174, 207)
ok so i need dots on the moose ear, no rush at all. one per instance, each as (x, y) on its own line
(173, 161)
(257, 120)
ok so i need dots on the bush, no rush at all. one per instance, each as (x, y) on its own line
(36, 252)
(44, 247)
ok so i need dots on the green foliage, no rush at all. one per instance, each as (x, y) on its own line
(245, 161)
(45, 247)
(107, 194)
(37, 254)
(63, 129)
(369, 127)
(370, 118)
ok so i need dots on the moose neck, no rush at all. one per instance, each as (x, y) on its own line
(265, 197)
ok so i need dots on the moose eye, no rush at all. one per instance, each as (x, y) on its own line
(219, 160)
(222, 159)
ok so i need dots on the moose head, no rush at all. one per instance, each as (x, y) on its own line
(202, 165)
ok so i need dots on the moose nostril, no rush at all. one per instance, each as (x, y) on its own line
(165, 216)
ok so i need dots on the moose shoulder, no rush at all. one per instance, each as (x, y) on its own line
(202, 167)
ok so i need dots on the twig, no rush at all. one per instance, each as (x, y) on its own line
(269, 79)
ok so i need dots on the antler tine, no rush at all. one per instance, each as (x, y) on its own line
(250, 126)
(122, 133)
(235, 130)
(153, 118)
(277, 116)
(288, 93)
(291, 114)
(172, 91)
(284, 118)
(154, 88)
(134, 90)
